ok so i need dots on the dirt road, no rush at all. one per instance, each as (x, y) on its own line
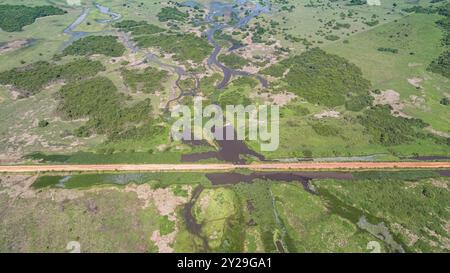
(223, 167)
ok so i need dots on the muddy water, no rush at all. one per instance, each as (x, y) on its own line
(220, 9)
(75, 35)
(105, 10)
(444, 173)
(430, 158)
(229, 151)
(192, 226)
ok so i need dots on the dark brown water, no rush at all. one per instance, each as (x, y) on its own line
(428, 158)
(229, 151)
(444, 173)
(192, 226)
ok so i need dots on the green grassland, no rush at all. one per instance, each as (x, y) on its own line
(364, 50)
(410, 209)
(403, 204)
(103, 221)
(389, 71)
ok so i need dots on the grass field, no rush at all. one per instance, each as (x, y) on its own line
(418, 40)
(409, 210)
(408, 43)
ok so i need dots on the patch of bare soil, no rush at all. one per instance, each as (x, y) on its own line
(444, 242)
(411, 237)
(258, 53)
(415, 82)
(166, 203)
(328, 114)
(204, 202)
(436, 132)
(164, 242)
(10, 158)
(414, 64)
(280, 99)
(392, 98)
(164, 199)
(19, 186)
(13, 45)
(440, 183)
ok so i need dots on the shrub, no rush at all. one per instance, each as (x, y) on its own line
(15, 17)
(388, 130)
(43, 123)
(321, 78)
(32, 78)
(233, 61)
(106, 45)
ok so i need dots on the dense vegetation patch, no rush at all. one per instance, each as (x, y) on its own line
(321, 78)
(388, 49)
(233, 61)
(324, 129)
(421, 229)
(441, 65)
(106, 45)
(147, 81)
(31, 79)
(99, 100)
(138, 28)
(171, 13)
(233, 97)
(15, 17)
(386, 129)
(184, 46)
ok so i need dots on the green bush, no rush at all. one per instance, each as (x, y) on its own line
(321, 78)
(388, 49)
(15, 17)
(324, 129)
(147, 81)
(184, 46)
(171, 13)
(106, 45)
(138, 28)
(445, 101)
(233, 61)
(388, 130)
(233, 97)
(43, 123)
(441, 65)
(358, 103)
(99, 100)
(32, 78)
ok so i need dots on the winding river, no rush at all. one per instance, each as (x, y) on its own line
(221, 9)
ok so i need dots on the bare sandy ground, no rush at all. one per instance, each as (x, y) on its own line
(222, 167)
